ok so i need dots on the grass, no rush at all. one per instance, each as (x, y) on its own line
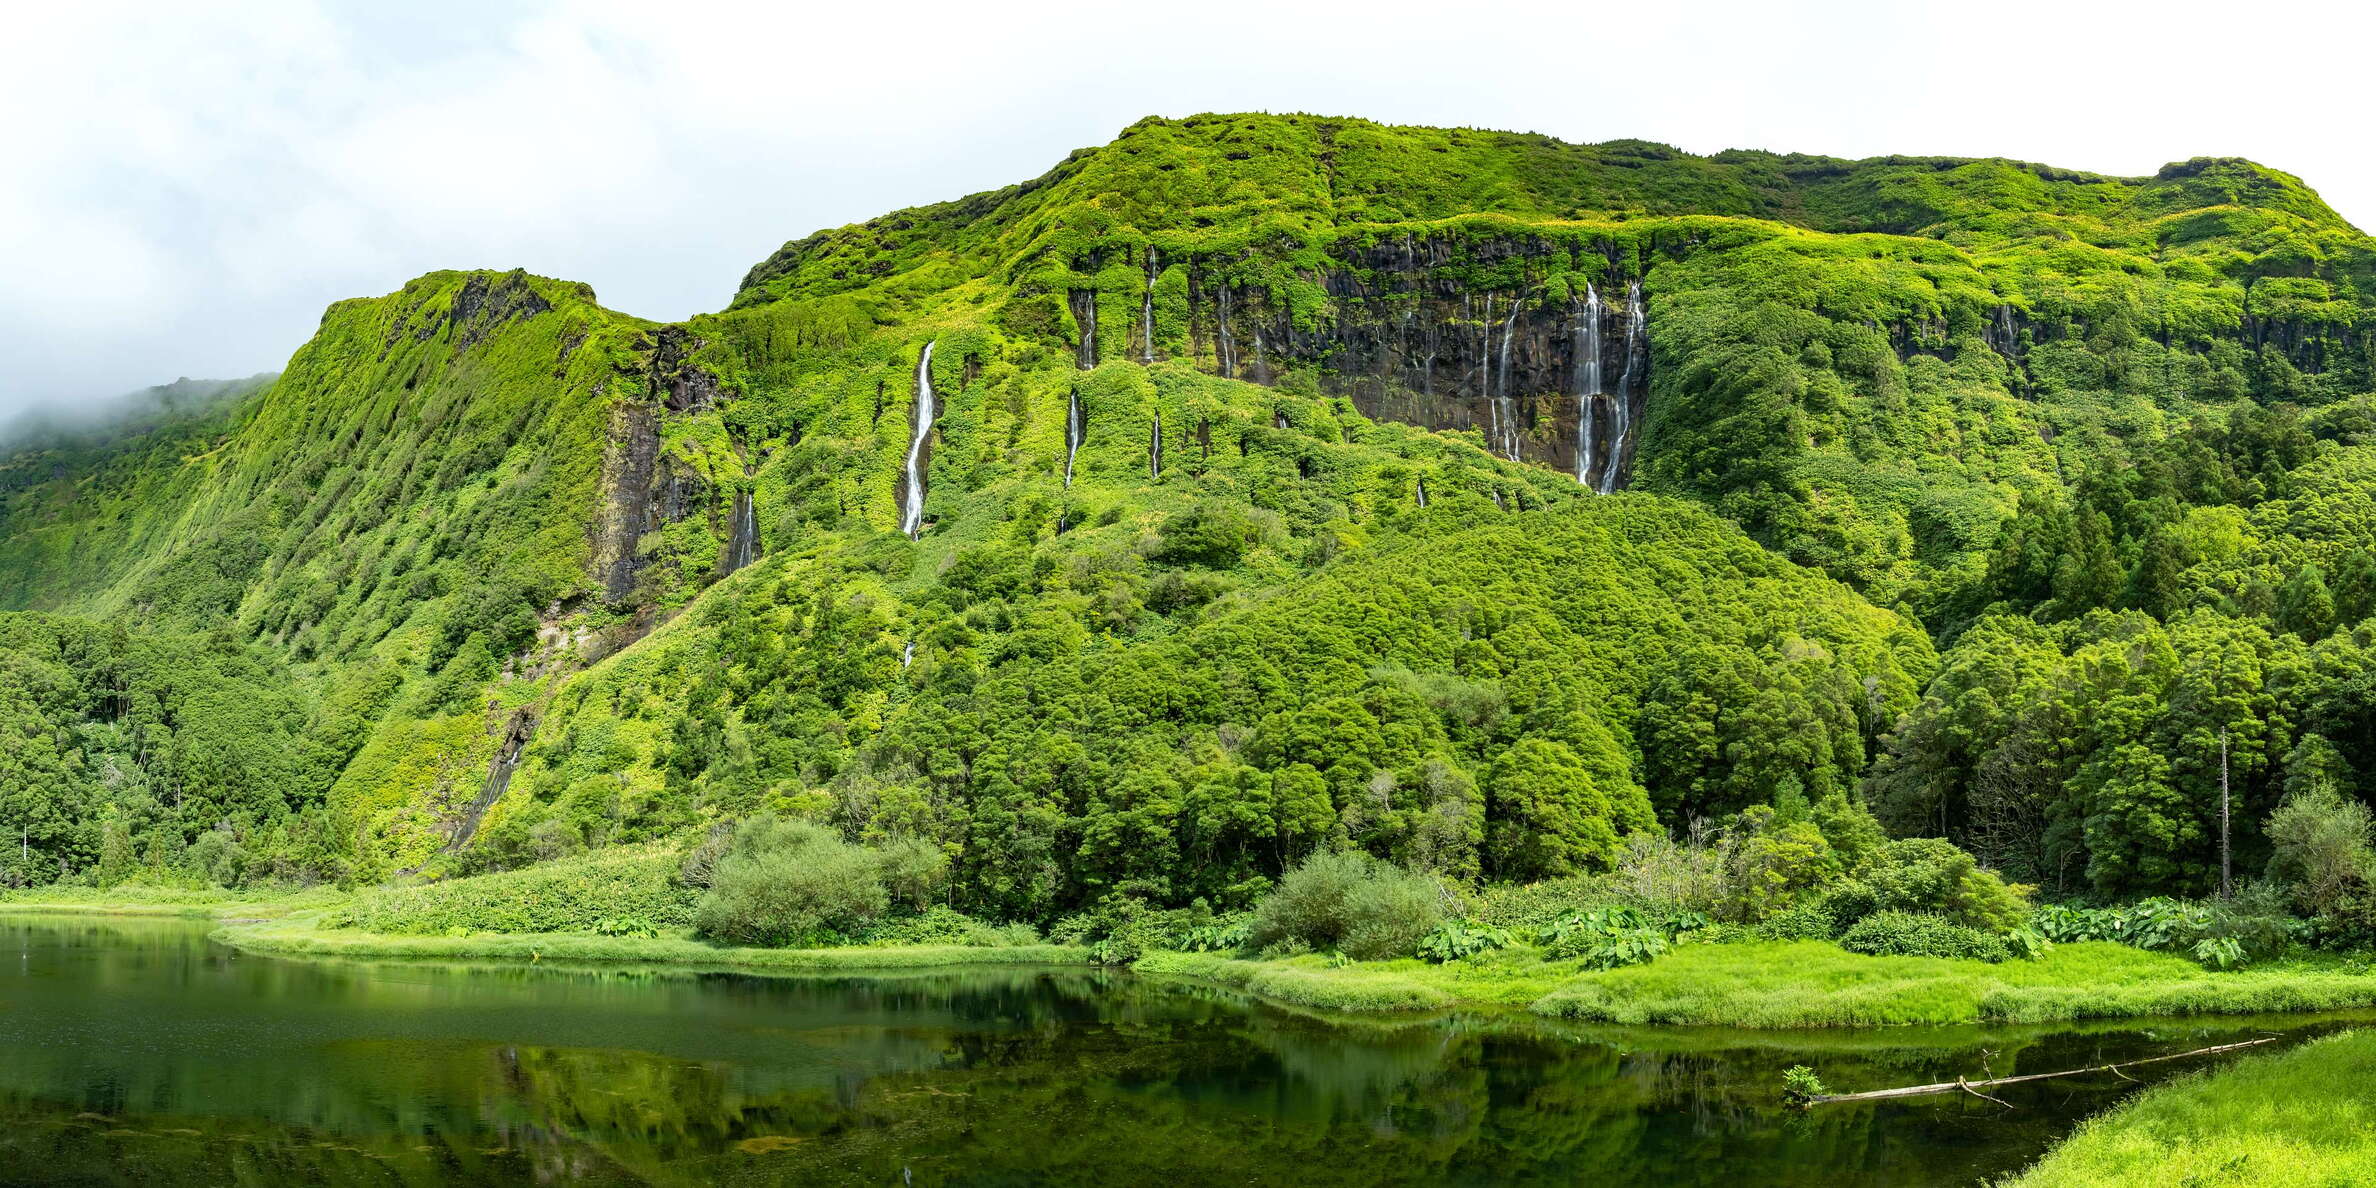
(1817, 984)
(1509, 978)
(620, 889)
(2307, 1116)
(306, 936)
(186, 902)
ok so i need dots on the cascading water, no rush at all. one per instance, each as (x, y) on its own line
(1075, 424)
(1505, 404)
(1155, 450)
(1588, 382)
(1637, 345)
(911, 520)
(742, 542)
(1422, 486)
(1088, 347)
(1221, 337)
(907, 655)
(1147, 306)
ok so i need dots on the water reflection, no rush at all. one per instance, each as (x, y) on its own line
(135, 1051)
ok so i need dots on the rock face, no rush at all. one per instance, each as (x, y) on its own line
(1531, 363)
(645, 488)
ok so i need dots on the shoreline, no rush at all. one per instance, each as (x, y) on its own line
(301, 937)
(1765, 986)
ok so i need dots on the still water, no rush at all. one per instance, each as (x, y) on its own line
(138, 1052)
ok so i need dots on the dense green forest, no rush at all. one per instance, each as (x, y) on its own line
(1489, 505)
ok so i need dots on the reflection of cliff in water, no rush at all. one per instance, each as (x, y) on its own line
(222, 1067)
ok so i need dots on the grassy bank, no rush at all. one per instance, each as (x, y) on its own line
(1511, 980)
(305, 936)
(1814, 984)
(1794, 985)
(212, 903)
(2307, 1116)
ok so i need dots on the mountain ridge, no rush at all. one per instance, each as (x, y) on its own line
(468, 506)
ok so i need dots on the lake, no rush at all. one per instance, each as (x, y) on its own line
(138, 1052)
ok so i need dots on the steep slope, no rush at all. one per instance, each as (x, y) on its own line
(1864, 363)
(1235, 488)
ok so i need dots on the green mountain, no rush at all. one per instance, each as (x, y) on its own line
(1247, 485)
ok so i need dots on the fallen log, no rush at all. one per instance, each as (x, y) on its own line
(1961, 1085)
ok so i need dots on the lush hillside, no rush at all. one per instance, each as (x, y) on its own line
(1256, 484)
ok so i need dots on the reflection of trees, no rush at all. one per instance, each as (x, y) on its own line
(235, 1069)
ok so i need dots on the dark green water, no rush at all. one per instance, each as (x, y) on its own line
(138, 1052)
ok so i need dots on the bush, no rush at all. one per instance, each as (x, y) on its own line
(1804, 922)
(1351, 903)
(2320, 851)
(1454, 940)
(1847, 903)
(1933, 875)
(1226, 934)
(786, 882)
(1532, 905)
(1921, 934)
(1605, 938)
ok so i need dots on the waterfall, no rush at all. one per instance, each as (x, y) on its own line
(742, 540)
(1422, 492)
(1221, 338)
(1155, 450)
(1147, 307)
(1588, 382)
(1076, 425)
(1088, 351)
(912, 521)
(1507, 397)
(1637, 345)
(1584, 440)
(1485, 376)
(907, 655)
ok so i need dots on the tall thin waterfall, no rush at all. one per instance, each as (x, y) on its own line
(1588, 382)
(1505, 403)
(1088, 349)
(911, 521)
(1221, 337)
(1076, 425)
(1423, 492)
(1147, 306)
(1485, 372)
(907, 655)
(742, 539)
(1636, 345)
(1155, 450)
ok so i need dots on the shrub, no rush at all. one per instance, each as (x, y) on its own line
(1352, 903)
(1846, 903)
(1223, 935)
(2320, 850)
(1454, 940)
(1392, 911)
(1933, 875)
(1921, 934)
(1605, 938)
(1772, 864)
(1804, 922)
(1532, 905)
(784, 882)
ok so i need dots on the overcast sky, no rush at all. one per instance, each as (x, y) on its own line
(182, 191)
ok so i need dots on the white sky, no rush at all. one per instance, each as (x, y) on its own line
(182, 191)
